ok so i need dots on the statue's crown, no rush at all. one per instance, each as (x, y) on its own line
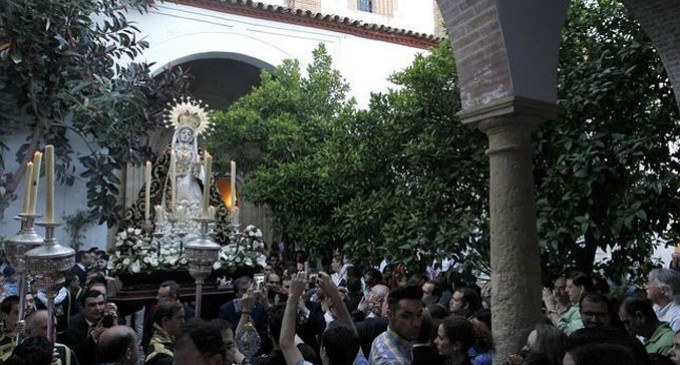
(188, 112)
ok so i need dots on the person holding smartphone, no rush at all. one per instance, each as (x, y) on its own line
(239, 307)
(84, 329)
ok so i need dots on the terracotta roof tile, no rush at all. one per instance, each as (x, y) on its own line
(317, 19)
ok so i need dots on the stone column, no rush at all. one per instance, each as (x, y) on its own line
(515, 256)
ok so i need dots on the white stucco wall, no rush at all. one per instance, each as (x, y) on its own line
(67, 199)
(180, 33)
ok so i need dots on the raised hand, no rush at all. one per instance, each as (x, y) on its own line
(326, 283)
(549, 300)
(297, 285)
(248, 300)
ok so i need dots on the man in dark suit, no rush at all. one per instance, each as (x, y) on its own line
(69, 306)
(83, 261)
(84, 329)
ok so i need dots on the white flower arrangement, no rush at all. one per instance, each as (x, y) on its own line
(132, 252)
(245, 249)
(136, 252)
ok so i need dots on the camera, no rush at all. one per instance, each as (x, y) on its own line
(107, 321)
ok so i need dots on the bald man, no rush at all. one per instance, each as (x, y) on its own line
(36, 326)
(376, 321)
(118, 345)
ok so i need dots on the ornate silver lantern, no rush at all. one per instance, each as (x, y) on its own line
(15, 250)
(201, 254)
(47, 264)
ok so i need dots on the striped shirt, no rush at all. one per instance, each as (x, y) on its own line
(391, 349)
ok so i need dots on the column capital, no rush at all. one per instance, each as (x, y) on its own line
(512, 111)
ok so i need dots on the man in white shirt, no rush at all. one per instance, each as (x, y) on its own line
(663, 289)
(339, 275)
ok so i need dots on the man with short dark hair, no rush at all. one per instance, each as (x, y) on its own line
(596, 310)
(464, 302)
(117, 346)
(200, 345)
(83, 261)
(168, 291)
(405, 313)
(99, 284)
(339, 275)
(167, 321)
(432, 291)
(68, 306)
(9, 308)
(639, 319)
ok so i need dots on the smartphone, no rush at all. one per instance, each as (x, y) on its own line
(107, 321)
(259, 282)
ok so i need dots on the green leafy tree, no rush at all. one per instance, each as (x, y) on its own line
(62, 74)
(275, 133)
(374, 182)
(606, 172)
(417, 176)
(406, 177)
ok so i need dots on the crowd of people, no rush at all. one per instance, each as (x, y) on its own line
(343, 315)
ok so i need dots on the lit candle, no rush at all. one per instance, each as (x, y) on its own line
(232, 194)
(27, 188)
(207, 160)
(181, 211)
(147, 191)
(173, 180)
(35, 178)
(49, 183)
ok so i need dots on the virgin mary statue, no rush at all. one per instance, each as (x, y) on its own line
(189, 120)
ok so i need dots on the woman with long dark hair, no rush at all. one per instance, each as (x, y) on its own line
(455, 336)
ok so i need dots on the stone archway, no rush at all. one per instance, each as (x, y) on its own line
(659, 19)
(507, 68)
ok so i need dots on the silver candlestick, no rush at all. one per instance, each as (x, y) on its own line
(147, 226)
(201, 253)
(15, 250)
(47, 264)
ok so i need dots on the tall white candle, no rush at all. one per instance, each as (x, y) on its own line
(27, 188)
(173, 180)
(159, 219)
(35, 178)
(207, 183)
(232, 193)
(49, 183)
(147, 190)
